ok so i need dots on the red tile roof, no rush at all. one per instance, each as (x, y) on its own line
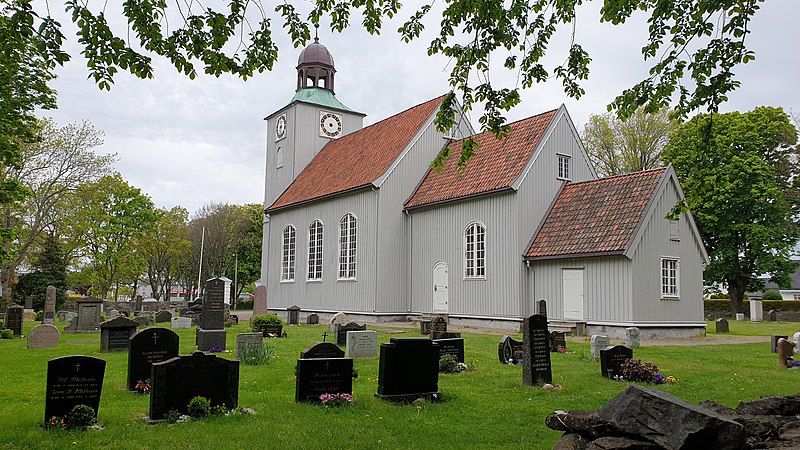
(356, 160)
(595, 218)
(496, 164)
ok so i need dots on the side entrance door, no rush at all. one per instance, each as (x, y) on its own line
(440, 287)
(572, 290)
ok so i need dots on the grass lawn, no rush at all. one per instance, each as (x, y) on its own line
(488, 407)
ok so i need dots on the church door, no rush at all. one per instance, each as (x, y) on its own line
(572, 289)
(440, 287)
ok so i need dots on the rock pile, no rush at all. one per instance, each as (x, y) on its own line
(643, 419)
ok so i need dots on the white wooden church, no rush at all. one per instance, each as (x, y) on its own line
(356, 222)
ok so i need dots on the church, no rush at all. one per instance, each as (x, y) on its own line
(356, 222)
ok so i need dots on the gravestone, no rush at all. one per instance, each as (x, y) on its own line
(73, 381)
(454, 347)
(408, 370)
(70, 317)
(88, 317)
(536, 367)
(339, 318)
(317, 376)
(61, 315)
(772, 315)
(49, 316)
(510, 351)
(178, 380)
(558, 339)
(163, 317)
(438, 325)
(425, 327)
(14, 319)
(774, 342)
(322, 350)
(43, 336)
(148, 347)
(312, 319)
(796, 341)
(294, 315)
(785, 350)
(211, 332)
(144, 319)
(341, 332)
(756, 311)
(260, 303)
(361, 344)
(596, 343)
(247, 341)
(180, 323)
(722, 325)
(739, 316)
(113, 314)
(445, 335)
(611, 358)
(115, 334)
(632, 337)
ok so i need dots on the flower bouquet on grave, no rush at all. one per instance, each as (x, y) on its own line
(333, 400)
(142, 387)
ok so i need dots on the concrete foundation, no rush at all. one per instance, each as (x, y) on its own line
(648, 333)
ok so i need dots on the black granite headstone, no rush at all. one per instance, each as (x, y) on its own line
(149, 346)
(178, 380)
(213, 315)
(558, 339)
(163, 317)
(341, 332)
(319, 376)
(536, 367)
(722, 325)
(408, 370)
(510, 351)
(611, 358)
(436, 335)
(312, 319)
(454, 346)
(294, 314)
(14, 319)
(115, 334)
(322, 350)
(72, 381)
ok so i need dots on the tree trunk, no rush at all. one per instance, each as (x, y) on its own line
(736, 290)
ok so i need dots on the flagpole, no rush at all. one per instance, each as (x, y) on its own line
(200, 268)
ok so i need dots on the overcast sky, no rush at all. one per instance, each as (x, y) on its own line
(189, 142)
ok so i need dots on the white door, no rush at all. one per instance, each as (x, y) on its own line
(440, 287)
(572, 288)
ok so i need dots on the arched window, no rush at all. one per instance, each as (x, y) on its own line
(315, 250)
(475, 251)
(347, 246)
(287, 260)
(279, 158)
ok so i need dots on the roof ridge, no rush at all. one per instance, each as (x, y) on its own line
(509, 124)
(623, 175)
(395, 115)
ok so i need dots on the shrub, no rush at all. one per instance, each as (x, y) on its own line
(40, 316)
(5, 333)
(449, 364)
(199, 407)
(244, 304)
(772, 294)
(725, 305)
(255, 356)
(81, 416)
(257, 322)
(172, 416)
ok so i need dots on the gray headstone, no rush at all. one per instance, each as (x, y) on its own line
(248, 340)
(598, 342)
(632, 337)
(361, 344)
(43, 336)
(312, 319)
(294, 315)
(88, 318)
(772, 315)
(756, 311)
(113, 314)
(50, 306)
(181, 323)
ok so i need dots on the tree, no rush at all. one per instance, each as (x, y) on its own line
(736, 175)
(250, 226)
(51, 169)
(163, 246)
(50, 268)
(618, 146)
(693, 46)
(109, 217)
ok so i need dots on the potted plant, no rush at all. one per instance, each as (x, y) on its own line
(268, 324)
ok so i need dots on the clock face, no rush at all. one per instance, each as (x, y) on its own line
(330, 124)
(280, 128)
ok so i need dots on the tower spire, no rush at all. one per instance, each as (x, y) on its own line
(316, 32)
(315, 65)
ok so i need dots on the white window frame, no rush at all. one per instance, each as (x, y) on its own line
(471, 271)
(288, 253)
(665, 291)
(566, 166)
(348, 247)
(279, 158)
(318, 244)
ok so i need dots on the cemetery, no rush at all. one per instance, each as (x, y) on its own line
(383, 369)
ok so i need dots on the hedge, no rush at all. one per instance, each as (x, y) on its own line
(778, 305)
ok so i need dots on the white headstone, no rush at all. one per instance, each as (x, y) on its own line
(632, 337)
(181, 323)
(796, 340)
(361, 344)
(756, 311)
(739, 316)
(339, 318)
(597, 343)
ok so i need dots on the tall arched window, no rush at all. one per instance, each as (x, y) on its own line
(287, 259)
(315, 250)
(475, 251)
(347, 247)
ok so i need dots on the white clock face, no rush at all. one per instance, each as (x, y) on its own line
(330, 124)
(280, 128)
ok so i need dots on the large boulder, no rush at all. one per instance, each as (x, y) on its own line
(790, 432)
(761, 427)
(571, 441)
(771, 406)
(670, 422)
(620, 443)
(584, 422)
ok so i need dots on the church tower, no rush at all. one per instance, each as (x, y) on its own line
(299, 130)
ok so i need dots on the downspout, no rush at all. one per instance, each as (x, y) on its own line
(409, 260)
